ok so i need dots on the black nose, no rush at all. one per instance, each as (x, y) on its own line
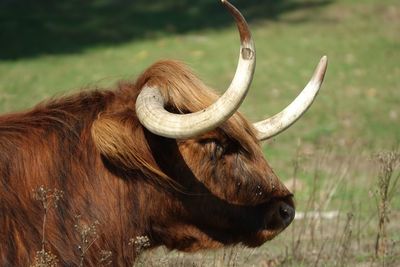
(286, 212)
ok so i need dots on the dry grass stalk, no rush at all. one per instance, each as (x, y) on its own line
(48, 198)
(387, 180)
(345, 241)
(88, 235)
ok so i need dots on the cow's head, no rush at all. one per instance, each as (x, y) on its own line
(224, 191)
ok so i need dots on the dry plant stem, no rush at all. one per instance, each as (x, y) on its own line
(44, 226)
(334, 186)
(296, 164)
(320, 253)
(82, 256)
(387, 162)
(88, 235)
(344, 244)
(359, 227)
(48, 198)
(313, 204)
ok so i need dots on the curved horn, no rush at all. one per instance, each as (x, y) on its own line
(150, 103)
(284, 119)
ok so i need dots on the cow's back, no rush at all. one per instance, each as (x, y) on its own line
(49, 146)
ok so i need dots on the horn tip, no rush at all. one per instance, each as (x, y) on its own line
(321, 70)
(227, 4)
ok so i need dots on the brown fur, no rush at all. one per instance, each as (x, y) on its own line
(203, 192)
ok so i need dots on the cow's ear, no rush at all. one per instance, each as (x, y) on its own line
(122, 142)
(113, 139)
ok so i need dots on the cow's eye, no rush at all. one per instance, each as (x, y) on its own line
(215, 148)
(219, 150)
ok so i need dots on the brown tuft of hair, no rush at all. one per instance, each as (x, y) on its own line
(123, 143)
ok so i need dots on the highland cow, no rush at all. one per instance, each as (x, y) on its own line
(162, 157)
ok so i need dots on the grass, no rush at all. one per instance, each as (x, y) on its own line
(49, 49)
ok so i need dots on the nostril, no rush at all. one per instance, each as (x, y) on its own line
(287, 213)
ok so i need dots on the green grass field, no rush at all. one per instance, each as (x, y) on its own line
(51, 49)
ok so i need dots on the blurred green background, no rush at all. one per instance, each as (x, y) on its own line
(50, 48)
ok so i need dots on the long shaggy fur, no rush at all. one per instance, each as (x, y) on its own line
(112, 170)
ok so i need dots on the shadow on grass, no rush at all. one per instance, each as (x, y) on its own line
(31, 28)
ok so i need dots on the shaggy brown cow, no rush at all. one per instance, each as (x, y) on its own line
(161, 157)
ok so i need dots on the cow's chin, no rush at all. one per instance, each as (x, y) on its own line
(202, 240)
(260, 238)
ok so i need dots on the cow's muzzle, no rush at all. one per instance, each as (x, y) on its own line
(280, 214)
